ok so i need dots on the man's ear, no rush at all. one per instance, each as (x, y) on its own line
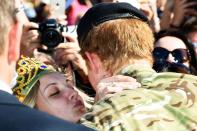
(14, 42)
(93, 62)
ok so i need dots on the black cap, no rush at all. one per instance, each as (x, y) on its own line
(104, 12)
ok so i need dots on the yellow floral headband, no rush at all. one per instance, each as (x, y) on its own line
(29, 72)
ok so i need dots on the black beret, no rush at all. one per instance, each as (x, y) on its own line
(104, 12)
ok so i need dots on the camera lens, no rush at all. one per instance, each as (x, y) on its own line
(50, 33)
(51, 38)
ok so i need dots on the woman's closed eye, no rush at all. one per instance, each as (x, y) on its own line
(53, 91)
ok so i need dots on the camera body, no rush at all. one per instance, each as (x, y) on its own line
(51, 33)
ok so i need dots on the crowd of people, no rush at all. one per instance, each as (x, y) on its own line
(126, 65)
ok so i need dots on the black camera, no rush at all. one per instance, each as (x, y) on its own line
(51, 33)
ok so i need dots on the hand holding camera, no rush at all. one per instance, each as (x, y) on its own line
(48, 33)
(62, 45)
(68, 52)
(30, 39)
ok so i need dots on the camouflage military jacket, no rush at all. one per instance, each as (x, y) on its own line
(165, 102)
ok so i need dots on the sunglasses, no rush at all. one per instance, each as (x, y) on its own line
(161, 55)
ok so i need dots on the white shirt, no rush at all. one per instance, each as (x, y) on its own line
(5, 87)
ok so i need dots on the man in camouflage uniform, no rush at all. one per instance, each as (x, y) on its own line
(115, 39)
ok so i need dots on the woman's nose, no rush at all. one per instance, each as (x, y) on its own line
(73, 95)
(170, 58)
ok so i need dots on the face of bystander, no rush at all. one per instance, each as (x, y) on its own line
(171, 44)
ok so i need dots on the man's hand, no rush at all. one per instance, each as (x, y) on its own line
(115, 84)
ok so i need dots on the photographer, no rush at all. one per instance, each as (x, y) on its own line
(60, 53)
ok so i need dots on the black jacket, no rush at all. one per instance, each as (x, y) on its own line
(17, 117)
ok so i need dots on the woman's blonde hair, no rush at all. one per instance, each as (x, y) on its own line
(30, 99)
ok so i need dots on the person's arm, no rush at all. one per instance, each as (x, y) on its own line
(181, 10)
(69, 52)
(174, 15)
(166, 17)
(155, 22)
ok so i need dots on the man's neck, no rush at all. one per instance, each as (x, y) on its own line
(142, 63)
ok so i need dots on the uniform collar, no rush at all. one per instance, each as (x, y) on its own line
(138, 71)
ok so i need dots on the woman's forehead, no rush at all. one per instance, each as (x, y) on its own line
(170, 43)
(55, 77)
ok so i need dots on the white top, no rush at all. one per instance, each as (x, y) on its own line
(5, 87)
